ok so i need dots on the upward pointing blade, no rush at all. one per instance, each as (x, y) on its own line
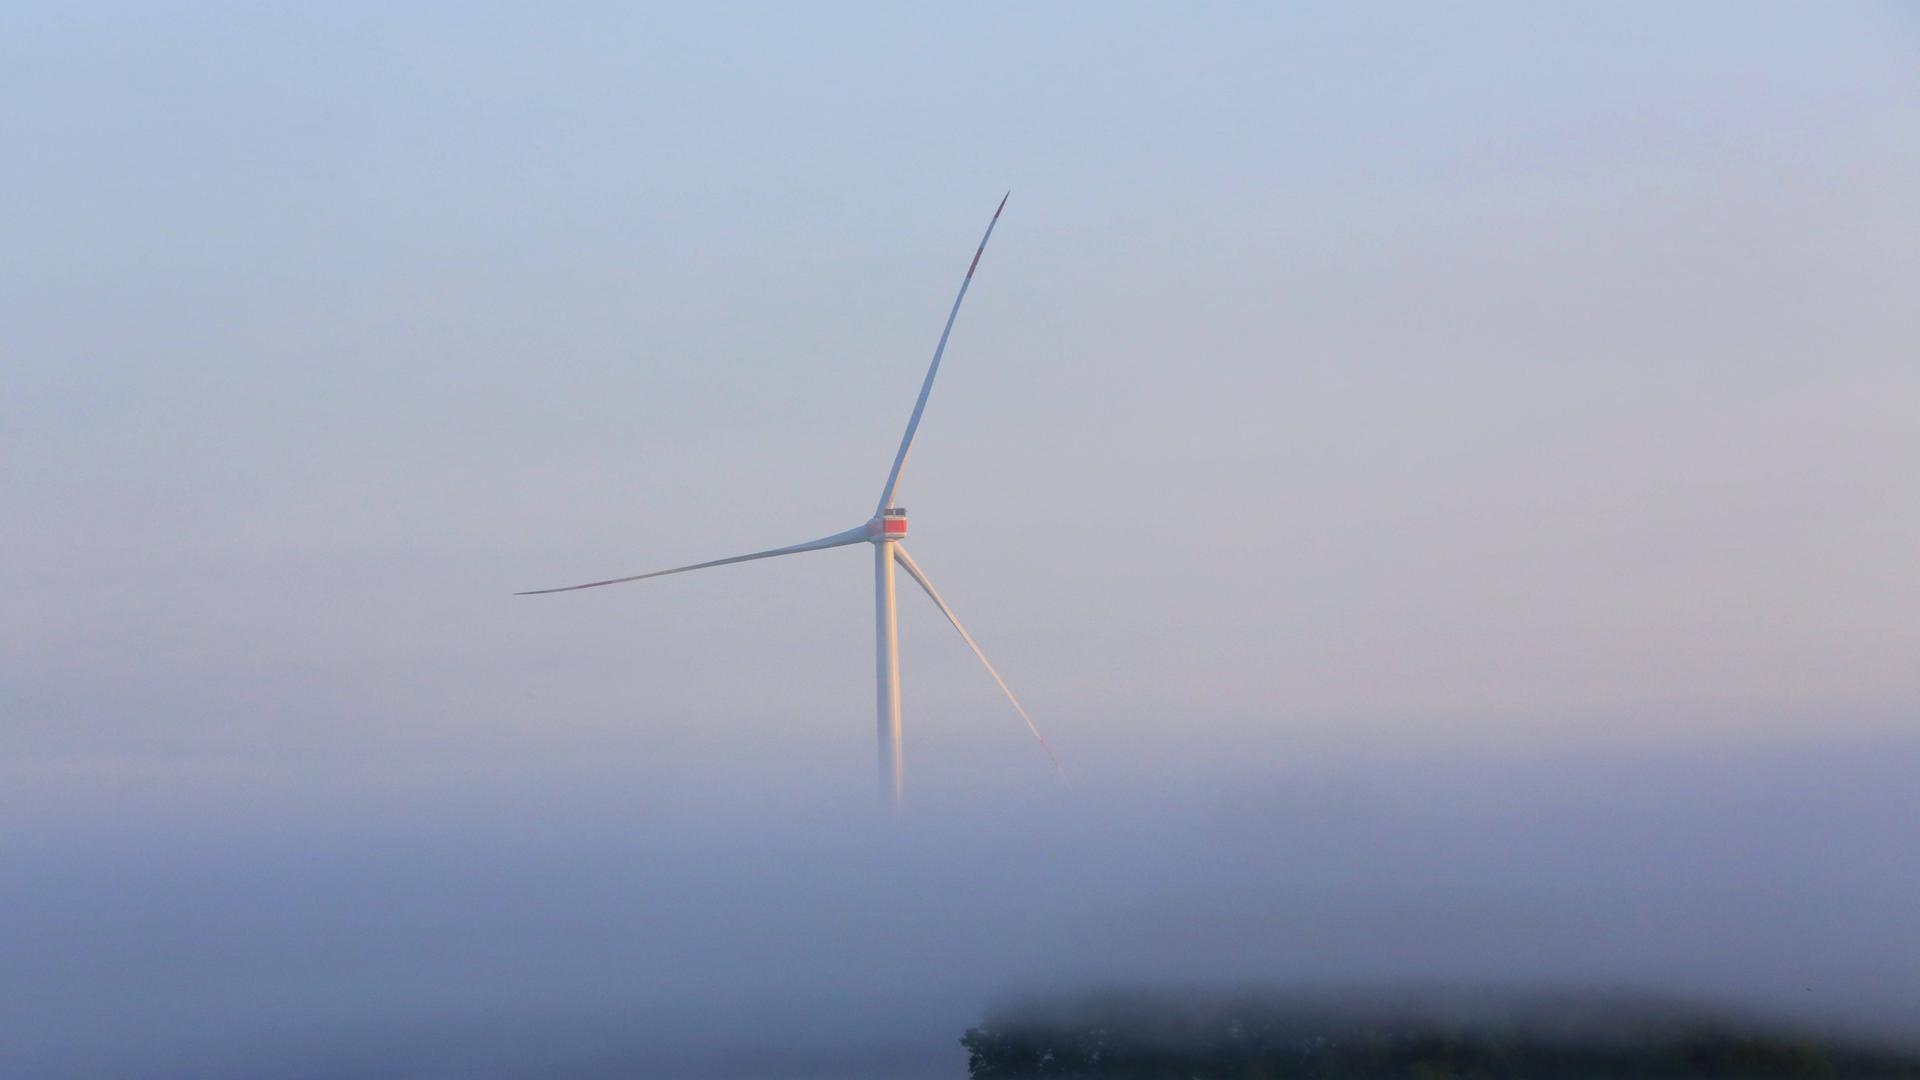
(851, 536)
(926, 388)
(907, 563)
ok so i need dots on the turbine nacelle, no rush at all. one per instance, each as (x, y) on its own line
(888, 524)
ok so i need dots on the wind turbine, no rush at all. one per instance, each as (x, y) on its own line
(886, 531)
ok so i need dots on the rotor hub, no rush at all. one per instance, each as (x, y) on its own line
(888, 524)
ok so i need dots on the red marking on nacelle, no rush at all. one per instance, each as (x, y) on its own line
(892, 528)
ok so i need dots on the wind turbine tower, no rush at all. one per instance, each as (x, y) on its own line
(886, 530)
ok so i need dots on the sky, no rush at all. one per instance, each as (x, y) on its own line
(1499, 420)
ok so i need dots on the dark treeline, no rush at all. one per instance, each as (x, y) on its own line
(1425, 1035)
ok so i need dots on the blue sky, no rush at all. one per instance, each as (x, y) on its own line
(1378, 370)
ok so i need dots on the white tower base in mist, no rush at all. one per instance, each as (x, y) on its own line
(886, 650)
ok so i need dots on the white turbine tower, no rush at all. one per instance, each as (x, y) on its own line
(885, 531)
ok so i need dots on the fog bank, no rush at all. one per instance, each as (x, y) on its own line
(481, 920)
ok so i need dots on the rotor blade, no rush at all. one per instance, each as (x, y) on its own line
(851, 536)
(913, 571)
(920, 405)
